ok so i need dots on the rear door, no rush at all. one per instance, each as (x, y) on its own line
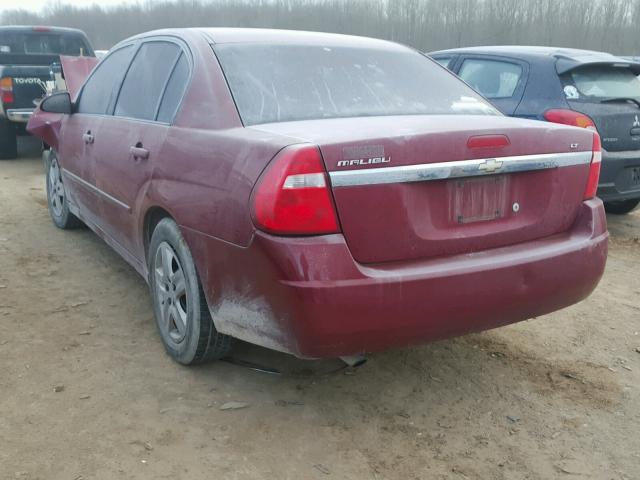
(501, 80)
(134, 135)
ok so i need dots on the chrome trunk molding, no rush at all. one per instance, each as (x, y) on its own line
(457, 169)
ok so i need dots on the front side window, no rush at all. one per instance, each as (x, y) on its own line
(600, 82)
(102, 86)
(146, 79)
(492, 78)
(279, 83)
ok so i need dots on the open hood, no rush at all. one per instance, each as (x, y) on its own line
(75, 71)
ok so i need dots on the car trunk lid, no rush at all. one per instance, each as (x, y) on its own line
(410, 187)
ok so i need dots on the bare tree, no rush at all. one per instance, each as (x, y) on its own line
(610, 25)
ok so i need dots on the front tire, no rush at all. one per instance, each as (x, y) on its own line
(181, 310)
(57, 197)
(621, 207)
(8, 140)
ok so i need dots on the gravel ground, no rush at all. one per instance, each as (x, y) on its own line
(87, 392)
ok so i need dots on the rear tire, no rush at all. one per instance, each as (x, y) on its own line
(57, 197)
(621, 207)
(8, 141)
(181, 310)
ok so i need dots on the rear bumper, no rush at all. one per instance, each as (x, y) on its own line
(615, 176)
(309, 297)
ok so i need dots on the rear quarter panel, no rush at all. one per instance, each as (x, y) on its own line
(205, 178)
(543, 91)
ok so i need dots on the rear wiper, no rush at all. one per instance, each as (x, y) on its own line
(621, 99)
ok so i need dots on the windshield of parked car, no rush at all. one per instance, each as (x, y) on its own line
(279, 83)
(43, 43)
(602, 82)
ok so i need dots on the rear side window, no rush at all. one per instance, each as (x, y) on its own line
(174, 91)
(146, 79)
(100, 90)
(492, 78)
(601, 82)
(279, 83)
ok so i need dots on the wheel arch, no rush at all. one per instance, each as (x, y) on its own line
(152, 217)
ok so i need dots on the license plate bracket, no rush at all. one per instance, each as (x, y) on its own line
(479, 199)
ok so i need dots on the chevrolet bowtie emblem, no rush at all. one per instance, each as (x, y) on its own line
(490, 166)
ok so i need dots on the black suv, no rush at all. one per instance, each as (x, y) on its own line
(27, 55)
(575, 87)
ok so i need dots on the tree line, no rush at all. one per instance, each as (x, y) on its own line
(609, 25)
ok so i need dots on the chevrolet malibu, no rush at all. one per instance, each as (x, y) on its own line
(321, 195)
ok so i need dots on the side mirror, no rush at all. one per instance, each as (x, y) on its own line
(57, 103)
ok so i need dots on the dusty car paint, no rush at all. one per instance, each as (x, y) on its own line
(402, 270)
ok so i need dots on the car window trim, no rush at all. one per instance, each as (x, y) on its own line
(439, 58)
(182, 49)
(80, 93)
(166, 84)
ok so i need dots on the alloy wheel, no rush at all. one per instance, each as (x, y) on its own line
(56, 189)
(171, 293)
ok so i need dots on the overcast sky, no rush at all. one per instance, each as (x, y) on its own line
(37, 5)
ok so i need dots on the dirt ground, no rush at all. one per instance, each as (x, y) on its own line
(87, 392)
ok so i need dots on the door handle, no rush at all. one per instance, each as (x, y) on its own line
(88, 137)
(139, 152)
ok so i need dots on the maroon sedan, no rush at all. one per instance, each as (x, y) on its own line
(318, 194)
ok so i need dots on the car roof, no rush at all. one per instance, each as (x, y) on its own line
(290, 37)
(566, 58)
(40, 29)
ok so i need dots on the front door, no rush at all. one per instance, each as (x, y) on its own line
(81, 134)
(77, 160)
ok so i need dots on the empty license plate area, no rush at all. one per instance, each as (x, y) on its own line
(634, 176)
(628, 179)
(479, 199)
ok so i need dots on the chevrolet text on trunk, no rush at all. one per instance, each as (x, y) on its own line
(322, 195)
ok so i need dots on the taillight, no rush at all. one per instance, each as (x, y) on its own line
(594, 169)
(6, 89)
(292, 197)
(569, 117)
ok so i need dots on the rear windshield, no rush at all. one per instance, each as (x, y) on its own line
(279, 83)
(599, 82)
(42, 43)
